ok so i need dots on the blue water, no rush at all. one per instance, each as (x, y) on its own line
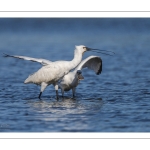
(118, 100)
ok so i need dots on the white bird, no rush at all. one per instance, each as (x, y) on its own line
(72, 79)
(52, 72)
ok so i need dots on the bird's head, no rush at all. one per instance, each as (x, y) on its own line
(79, 75)
(82, 49)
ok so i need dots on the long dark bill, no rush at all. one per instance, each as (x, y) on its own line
(101, 51)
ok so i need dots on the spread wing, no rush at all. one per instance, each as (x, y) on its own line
(42, 61)
(92, 62)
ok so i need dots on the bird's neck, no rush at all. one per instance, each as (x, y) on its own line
(76, 60)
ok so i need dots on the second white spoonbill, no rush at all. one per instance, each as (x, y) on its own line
(72, 79)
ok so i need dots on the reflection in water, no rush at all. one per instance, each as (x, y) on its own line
(65, 108)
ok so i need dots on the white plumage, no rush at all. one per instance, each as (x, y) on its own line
(72, 79)
(40, 60)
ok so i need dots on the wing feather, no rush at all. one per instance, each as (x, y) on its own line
(92, 62)
(42, 61)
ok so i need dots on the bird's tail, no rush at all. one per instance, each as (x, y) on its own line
(29, 79)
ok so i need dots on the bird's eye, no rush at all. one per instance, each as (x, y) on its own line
(84, 47)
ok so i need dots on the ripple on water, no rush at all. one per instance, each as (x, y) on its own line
(117, 100)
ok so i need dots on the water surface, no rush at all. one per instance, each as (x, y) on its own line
(118, 100)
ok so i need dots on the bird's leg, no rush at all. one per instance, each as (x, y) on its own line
(56, 88)
(73, 92)
(40, 95)
(43, 86)
(62, 91)
(57, 94)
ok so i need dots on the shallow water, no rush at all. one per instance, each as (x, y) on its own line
(118, 100)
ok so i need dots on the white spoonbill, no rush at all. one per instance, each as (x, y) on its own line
(72, 79)
(52, 72)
